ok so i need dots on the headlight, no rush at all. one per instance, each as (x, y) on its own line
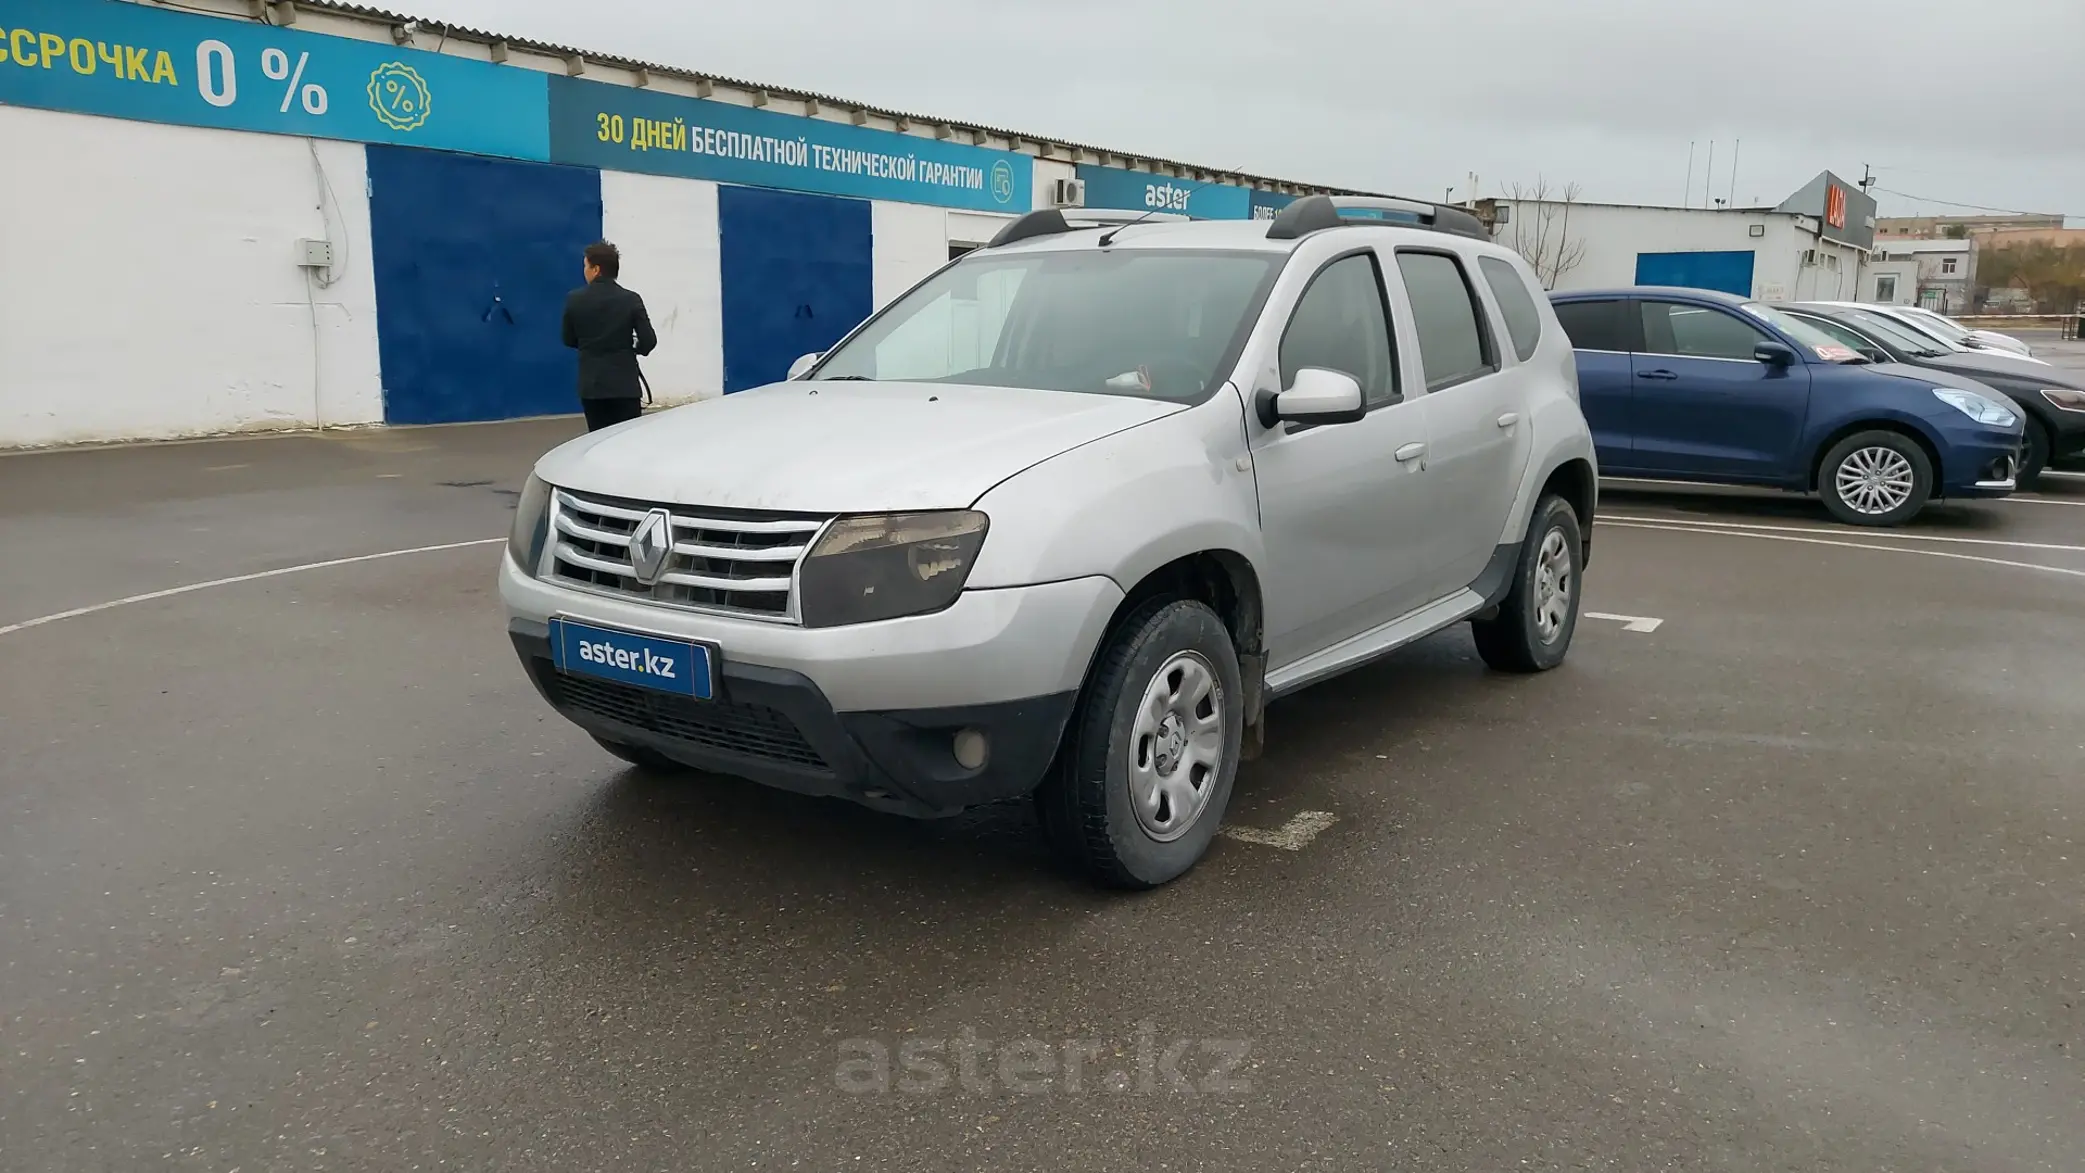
(2065, 400)
(882, 567)
(1977, 407)
(531, 524)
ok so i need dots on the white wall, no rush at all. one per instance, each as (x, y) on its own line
(911, 241)
(1612, 235)
(667, 232)
(148, 289)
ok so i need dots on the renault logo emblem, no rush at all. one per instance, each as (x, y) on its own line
(650, 543)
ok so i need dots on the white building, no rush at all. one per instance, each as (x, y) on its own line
(1942, 273)
(242, 215)
(1811, 246)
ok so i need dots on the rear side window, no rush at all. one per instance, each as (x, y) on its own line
(1341, 325)
(1695, 331)
(1516, 305)
(1452, 342)
(1596, 325)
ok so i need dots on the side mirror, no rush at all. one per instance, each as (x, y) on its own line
(1318, 396)
(1774, 354)
(802, 366)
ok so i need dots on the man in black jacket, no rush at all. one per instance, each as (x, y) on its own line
(607, 325)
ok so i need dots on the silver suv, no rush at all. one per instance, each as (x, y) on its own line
(1062, 519)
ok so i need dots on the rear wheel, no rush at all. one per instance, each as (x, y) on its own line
(1876, 479)
(1532, 631)
(1146, 770)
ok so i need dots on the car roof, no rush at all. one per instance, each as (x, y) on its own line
(1673, 291)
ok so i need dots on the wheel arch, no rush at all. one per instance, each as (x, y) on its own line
(1904, 428)
(1227, 582)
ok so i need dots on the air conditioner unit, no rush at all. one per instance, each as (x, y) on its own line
(1810, 257)
(1068, 193)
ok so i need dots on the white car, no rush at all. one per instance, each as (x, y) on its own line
(1059, 521)
(1945, 329)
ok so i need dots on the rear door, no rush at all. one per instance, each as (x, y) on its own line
(1704, 407)
(1477, 443)
(1602, 334)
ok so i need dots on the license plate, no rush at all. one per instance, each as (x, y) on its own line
(676, 666)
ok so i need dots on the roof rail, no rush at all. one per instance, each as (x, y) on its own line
(1052, 221)
(1315, 213)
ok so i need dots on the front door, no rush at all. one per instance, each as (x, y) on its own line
(1704, 407)
(1343, 507)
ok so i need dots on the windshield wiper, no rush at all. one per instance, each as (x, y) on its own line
(848, 379)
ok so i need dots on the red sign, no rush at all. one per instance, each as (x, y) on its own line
(1835, 205)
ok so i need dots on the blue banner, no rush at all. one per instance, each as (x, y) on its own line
(151, 65)
(1141, 191)
(624, 129)
(1267, 204)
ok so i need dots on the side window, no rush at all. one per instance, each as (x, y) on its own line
(1523, 320)
(1341, 325)
(1452, 342)
(1695, 331)
(1596, 325)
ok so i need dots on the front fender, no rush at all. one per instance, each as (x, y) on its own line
(1126, 504)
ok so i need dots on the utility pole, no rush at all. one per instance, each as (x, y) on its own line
(1867, 178)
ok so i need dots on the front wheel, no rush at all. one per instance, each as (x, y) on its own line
(1146, 770)
(2034, 454)
(1533, 627)
(1876, 479)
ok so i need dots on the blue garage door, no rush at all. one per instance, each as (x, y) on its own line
(1730, 272)
(797, 274)
(473, 260)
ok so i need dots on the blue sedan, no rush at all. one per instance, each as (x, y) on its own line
(1690, 385)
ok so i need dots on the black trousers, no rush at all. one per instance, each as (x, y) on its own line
(602, 413)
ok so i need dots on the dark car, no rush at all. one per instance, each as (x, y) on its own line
(2053, 401)
(1691, 385)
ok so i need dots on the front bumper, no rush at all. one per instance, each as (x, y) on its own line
(867, 712)
(1982, 464)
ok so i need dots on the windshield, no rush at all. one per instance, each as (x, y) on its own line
(1935, 324)
(1909, 341)
(1821, 344)
(1141, 322)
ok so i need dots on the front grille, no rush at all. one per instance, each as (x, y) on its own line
(737, 561)
(753, 731)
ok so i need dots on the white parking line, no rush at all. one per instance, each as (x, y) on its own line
(1899, 536)
(1844, 545)
(1295, 835)
(1628, 622)
(169, 593)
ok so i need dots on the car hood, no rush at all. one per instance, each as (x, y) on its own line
(2006, 366)
(1932, 376)
(840, 447)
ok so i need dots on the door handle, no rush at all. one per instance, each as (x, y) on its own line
(1509, 419)
(1410, 453)
(1658, 374)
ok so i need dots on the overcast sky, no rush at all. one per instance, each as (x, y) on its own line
(1411, 97)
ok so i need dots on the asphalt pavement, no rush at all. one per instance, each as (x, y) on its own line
(1783, 870)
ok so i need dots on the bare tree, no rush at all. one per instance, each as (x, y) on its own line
(1540, 230)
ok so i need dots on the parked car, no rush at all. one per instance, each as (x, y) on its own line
(2053, 402)
(1692, 385)
(1944, 329)
(1060, 520)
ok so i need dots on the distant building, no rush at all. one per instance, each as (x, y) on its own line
(1943, 273)
(1811, 246)
(1956, 227)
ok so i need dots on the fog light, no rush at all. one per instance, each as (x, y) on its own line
(972, 748)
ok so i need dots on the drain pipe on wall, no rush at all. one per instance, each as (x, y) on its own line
(323, 264)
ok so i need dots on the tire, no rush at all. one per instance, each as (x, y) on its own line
(1888, 473)
(1113, 808)
(2034, 454)
(1533, 628)
(643, 759)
